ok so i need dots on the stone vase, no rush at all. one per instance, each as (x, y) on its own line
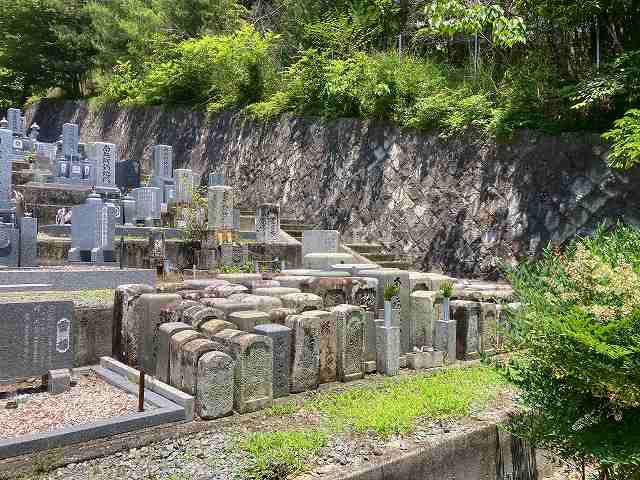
(388, 313)
(445, 309)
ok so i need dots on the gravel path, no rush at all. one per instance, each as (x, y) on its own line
(90, 400)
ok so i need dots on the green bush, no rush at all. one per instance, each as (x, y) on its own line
(578, 370)
(212, 72)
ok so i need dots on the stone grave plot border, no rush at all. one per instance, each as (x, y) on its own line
(91, 277)
(170, 406)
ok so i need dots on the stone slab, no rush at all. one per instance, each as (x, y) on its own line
(36, 337)
(163, 356)
(149, 306)
(281, 338)
(248, 320)
(305, 352)
(215, 385)
(177, 343)
(79, 278)
(328, 344)
(350, 342)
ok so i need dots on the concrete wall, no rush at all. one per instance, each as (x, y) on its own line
(54, 251)
(480, 452)
(462, 205)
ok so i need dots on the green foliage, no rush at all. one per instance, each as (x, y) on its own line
(197, 17)
(282, 409)
(44, 44)
(408, 90)
(446, 289)
(276, 455)
(393, 407)
(246, 268)
(450, 17)
(195, 215)
(213, 72)
(625, 138)
(579, 328)
(390, 291)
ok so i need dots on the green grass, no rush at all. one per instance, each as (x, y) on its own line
(276, 455)
(392, 408)
(282, 409)
(105, 295)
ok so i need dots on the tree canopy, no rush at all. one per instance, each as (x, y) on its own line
(552, 65)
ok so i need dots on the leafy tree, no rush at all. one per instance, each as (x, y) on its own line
(625, 138)
(126, 31)
(46, 43)
(579, 330)
(450, 17)
(192, 18)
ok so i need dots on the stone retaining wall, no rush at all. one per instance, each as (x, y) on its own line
(461, 205)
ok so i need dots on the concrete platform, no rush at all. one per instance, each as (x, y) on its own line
(72, 277)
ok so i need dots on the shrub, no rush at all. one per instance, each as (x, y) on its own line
(579, 326)
(212, 72)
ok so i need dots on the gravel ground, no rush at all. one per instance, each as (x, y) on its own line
(91, 399)
(214, 455)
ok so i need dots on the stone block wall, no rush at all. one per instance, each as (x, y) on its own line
(460, 205)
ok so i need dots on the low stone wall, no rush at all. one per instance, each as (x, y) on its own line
(54, 251)
(481, 452)
(92, 334)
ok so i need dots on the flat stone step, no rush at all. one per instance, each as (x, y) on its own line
(402, 265)
(20, 165)
(364, 248)
(381, 257)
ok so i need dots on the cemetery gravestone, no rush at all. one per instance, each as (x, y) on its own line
(305, 352)
(28, 242)
(320, 241)
(148, 200)
(350, 342)
(36, 337)
(104, 157)
(93, 228)
(127, 175)
(467, 317)
(281, 338)
(268, 223)
(220, 205)
(6, 147)
(215, 385)
(163, 355)
(328, 344)
(185, 183)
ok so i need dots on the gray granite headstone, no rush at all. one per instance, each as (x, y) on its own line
(185, 181)
(14, 117)
(281, 337)
(28, 242)
(148, 200)
(70, 139)
(104, 156)
(36, 337)
(9, 245)
(127, 174)
(163, 161)
(6, 147)
(268, 223)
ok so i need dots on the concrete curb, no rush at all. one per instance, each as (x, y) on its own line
(166, 412)
(176, 396)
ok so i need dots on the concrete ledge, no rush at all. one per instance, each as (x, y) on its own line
(165, 412)
(176, 396)
(79, 278)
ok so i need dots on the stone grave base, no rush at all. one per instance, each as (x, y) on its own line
(161, 397)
